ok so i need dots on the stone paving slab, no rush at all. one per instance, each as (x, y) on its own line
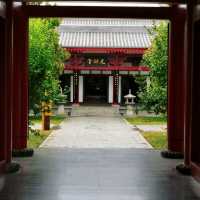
(96, 132)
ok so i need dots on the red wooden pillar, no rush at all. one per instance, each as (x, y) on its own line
(194, 137)
(192, 108)
(2, 97)
(76, 87)
(20, 104)
(176, 88)
(8, 95)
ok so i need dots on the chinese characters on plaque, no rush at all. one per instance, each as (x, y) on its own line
(96, 61)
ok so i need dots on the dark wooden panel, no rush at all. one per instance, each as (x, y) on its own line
(99, 12)
(136, 1)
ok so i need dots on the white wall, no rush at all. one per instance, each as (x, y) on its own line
(110, 89)
(71, 89)
(80, 95)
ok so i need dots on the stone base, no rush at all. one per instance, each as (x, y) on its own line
(172, 155)
(76, 104)
(116, 105)
(183, 169)
(12, 167)
(22, 152)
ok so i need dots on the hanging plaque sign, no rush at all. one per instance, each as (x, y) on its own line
(96, 61)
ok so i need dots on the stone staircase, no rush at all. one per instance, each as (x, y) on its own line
(107, 111)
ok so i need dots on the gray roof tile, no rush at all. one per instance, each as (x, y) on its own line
(105, 33)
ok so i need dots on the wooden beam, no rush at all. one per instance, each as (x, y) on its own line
(121, 1)
(99, 12)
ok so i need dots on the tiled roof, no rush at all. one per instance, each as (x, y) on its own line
(105, 33)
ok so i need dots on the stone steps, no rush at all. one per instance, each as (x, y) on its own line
(107, 111)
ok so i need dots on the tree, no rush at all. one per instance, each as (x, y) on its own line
(153, 96)
(46, 60)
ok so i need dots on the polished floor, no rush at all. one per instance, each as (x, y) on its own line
(98, 174)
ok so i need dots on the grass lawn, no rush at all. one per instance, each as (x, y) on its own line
(157, 139)
(35, 140)
(54, 119)
(147, 120)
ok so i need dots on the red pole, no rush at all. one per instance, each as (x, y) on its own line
(2, 91)
(20, 120)
(10, 166)
(185, 168)
(9, 78)
(175, 126)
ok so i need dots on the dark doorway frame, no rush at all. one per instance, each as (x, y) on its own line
(95, 76)
(177, 107)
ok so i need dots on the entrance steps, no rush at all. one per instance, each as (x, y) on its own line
(107, 111)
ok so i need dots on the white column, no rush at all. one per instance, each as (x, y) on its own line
(110, 89)
(71, 89)
(119, 89)
(80, 92)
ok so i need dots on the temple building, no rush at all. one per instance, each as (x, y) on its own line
(105, 57)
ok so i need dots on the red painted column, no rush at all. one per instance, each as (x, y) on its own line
(24, 86)
(8, 95)
(20, 114)
(176, 88)
(2, 97)
(9, 79)
(185, 168)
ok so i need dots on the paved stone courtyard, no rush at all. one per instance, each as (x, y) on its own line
(98, 174)
(96, 132)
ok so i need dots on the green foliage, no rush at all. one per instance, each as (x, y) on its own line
(45, 61)
(35, 140)
(153, 96)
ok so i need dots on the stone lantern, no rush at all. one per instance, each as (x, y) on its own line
(61, 103)
(129, 101)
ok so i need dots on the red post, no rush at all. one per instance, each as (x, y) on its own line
(176, 88)
(2, 91)
(8, 95)
(20, 114)
(191, 111)
(9, 78)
